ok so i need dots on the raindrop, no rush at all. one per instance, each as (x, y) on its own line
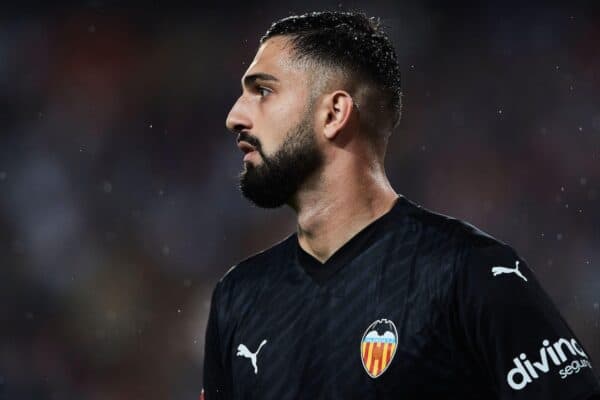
(2, 175)
(107, 187)
(166, 250)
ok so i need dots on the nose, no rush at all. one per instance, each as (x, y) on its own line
(238, 118)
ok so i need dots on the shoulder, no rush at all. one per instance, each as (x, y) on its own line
(440, 249)
(442, 231)
(257, 267)
(481, 269)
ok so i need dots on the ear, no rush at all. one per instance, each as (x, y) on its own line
(338, 108)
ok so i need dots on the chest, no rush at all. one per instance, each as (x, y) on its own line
(375, 332)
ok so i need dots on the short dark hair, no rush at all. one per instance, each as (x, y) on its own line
(354, 43)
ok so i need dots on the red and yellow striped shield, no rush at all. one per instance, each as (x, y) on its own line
(378, 347)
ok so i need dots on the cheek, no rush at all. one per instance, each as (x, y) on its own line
(278, 121)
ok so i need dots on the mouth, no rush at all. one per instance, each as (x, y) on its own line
(247, 149)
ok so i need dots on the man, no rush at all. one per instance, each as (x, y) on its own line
(374, 297)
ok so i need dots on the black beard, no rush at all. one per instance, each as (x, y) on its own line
(278, 179)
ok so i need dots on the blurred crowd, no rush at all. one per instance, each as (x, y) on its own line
(119, 207)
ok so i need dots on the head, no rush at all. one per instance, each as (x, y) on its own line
(318, 82)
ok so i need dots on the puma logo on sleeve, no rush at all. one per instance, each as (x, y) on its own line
(499, 270)
(243, 351)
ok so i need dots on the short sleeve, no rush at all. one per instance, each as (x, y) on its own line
(512, 332)
(215, 374)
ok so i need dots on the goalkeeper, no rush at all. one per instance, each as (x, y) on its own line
(373, 296)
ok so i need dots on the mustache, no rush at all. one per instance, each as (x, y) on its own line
(252, 140)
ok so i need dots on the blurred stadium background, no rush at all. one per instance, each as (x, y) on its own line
(118, 202)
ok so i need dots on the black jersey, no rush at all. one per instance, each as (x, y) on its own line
(415, 306)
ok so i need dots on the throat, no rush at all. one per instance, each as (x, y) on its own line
(326, 235)
(325, 232)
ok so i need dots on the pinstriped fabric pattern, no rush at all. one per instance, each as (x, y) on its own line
(402, 272)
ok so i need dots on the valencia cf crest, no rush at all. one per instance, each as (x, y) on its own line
(378, 347)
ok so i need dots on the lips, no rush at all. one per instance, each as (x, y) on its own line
(248, 150)
(246, 147)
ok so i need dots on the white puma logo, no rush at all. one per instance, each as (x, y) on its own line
(498, 270)
(243, 351)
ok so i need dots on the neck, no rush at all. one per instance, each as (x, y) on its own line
(338, 204)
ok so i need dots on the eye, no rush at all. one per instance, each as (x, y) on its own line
(263, 91)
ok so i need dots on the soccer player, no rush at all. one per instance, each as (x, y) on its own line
(374, 297)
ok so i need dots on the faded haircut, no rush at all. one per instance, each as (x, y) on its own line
(354, 46)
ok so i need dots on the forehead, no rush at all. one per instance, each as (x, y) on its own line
(275, 57)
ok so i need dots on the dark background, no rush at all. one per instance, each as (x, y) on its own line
(118, 202)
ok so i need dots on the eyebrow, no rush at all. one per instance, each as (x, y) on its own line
(250, 79)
